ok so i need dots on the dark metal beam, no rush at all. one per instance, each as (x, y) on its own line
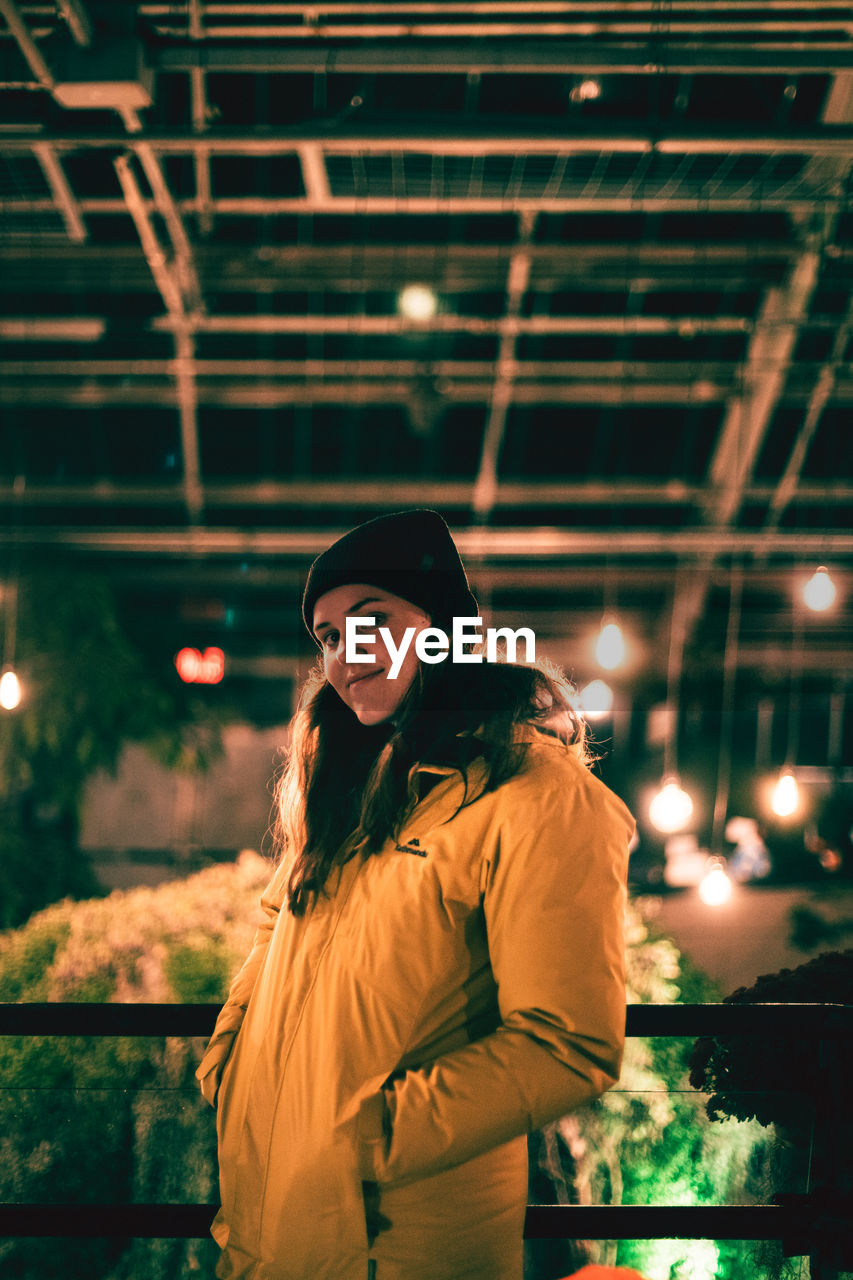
(27, 44)
(404, 491)
(60, 187)
(797, 201)
(438, 137)
(541, 544)
(550, 56)
(172, 287)
(502, 393)
(269, 394)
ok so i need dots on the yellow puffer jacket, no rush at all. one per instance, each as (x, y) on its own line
(452, 992)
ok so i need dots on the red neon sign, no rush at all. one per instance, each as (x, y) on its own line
(195, 667)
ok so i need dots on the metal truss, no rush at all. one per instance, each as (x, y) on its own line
(238, 317)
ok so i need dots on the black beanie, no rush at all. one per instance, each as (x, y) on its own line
(410, 553)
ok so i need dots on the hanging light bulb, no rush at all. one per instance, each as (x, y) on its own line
(819, 592)
(610, 646)
(586, 91)
(10, 690)
(786, 795)
(596, 699)
(671, 808)
(715, 887)
(417, 302)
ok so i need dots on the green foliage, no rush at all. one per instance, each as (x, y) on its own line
(36, 867)
(198, 972)
(26, 956)
(87, 690)
(648, 1140)
(112, 1119)
(785, 1085)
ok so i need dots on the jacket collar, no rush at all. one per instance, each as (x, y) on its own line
(521, 733)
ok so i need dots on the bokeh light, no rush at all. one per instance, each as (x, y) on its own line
(819, 592)
(786, 795)
(417, 302)
(610, 646)
(596, 700)
(715, 888)
(671, 808)
(10, 690)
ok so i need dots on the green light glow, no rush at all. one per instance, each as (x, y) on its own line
(677, 1259)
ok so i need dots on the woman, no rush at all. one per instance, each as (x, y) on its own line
(441, 966)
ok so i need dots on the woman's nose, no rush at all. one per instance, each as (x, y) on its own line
(362, 648)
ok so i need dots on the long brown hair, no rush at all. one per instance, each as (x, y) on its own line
(346, 788)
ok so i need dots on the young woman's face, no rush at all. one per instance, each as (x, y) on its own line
(365, 686)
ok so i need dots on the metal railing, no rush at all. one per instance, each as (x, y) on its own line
(815, 1223)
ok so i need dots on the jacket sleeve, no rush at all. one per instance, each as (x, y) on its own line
(553, 881)
(229, 1021)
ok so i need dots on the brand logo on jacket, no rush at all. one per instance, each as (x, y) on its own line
(412, 846)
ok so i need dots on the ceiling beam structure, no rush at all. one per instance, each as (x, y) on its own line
(76, 17)
(92, 329)
(670, 175)
(838, 109)
(605, 202)
(23, 37)
(236, 320)
(408, 491)
(199, 108)
(462, 263)
(783, 314)
(176, 302)
(60, 188)
(514, 325)
(548, 56)
(178, 283)
(432, 137)
(826, 387)
(542, 544)
(762, 381)
(176, 279)
(449, 269)
(501, 397)
(265, 394)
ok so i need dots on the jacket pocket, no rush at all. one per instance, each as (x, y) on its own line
(373, 1135)
(212, 1066)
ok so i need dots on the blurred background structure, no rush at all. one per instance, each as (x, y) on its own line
(576, 274)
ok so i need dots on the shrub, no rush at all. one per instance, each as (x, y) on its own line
(113, 1119)
(773, 1080)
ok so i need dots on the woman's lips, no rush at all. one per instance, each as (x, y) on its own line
(370, 675)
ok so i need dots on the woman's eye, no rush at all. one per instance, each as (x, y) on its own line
(330, 639)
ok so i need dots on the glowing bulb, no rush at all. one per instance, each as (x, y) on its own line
(596, 699)
(195, 667)
(786, 795)
(819, 592)
(610, 646)
(417, 302)
(671, 808)
(586, 91)
(715, 888)
(10, 690)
